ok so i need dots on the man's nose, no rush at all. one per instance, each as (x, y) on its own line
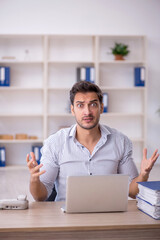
(87, 109)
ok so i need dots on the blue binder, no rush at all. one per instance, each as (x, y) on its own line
(7, 77)
(86, 74)
(105, 102)
(2, 157)
(4, 76)
(37, 151)
(153, 185)
(139, 76)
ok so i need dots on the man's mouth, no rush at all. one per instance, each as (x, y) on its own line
(87, 119)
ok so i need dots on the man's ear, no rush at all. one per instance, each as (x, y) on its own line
(72, 109)
(102, 106)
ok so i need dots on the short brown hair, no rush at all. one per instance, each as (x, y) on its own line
(84, 87)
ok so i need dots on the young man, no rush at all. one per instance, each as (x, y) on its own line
(84, 149)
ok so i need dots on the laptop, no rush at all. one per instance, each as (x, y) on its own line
(86, 194)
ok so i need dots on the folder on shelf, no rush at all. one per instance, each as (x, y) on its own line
(37, 151)
(2, 157)
(139, 76)
(4, 76)
(105, 102)
(86, 74)
(90, 74)
(81, 74)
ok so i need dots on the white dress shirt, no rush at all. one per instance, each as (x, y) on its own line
(63, 155)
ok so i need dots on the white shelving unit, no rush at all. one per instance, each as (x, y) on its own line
(42, 73)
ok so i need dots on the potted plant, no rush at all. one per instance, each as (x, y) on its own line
(119, 51)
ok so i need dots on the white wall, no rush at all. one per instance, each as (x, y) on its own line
(94, 17)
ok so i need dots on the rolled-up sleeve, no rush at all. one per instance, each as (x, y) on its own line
(127, 165)
(50, 165)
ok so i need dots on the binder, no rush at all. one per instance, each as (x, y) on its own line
(5, 76)
(2, 157)
(148, 198)
(86, 74)
(2, 76)
(90, 74)
(150, 191)
(81, 74)
(37, 151)
(139, 76)
(148, 208)
(105, 102)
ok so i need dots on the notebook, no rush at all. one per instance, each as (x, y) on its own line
(96, 193)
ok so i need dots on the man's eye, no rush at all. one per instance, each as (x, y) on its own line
(94, 104)
(80, 105)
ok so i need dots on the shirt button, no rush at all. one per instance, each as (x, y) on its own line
(90, 173)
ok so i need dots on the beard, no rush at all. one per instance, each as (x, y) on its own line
(88, 126)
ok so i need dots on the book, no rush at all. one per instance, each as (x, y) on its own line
(37, 152)
(2, 157)
(139, 76)
(148, 198)
(105, 102)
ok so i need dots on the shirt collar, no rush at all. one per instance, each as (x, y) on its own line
(104, 131)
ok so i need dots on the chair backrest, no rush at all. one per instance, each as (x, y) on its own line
(53, 195)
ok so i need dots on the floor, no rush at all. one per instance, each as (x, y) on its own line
(15, 181)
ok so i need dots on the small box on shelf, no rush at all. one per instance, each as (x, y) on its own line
(21, 136)
(6, 137)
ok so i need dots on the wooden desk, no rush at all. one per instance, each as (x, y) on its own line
(45, 220)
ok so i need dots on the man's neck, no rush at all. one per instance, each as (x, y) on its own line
(88, 136)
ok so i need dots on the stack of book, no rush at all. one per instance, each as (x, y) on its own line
(148, 198)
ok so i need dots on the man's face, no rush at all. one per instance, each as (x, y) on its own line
(87, 109)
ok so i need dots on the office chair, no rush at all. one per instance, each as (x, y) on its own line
(53, 195)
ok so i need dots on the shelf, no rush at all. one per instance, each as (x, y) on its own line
(70, 62)
(12, 88)
(108, 114)
(22, 141)
(21, 62)
(124, 62)
(60, 115)
(58, 89)
(45, 69)
(122, 88)
(41, 140)
(10, 115)
(111, 114)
